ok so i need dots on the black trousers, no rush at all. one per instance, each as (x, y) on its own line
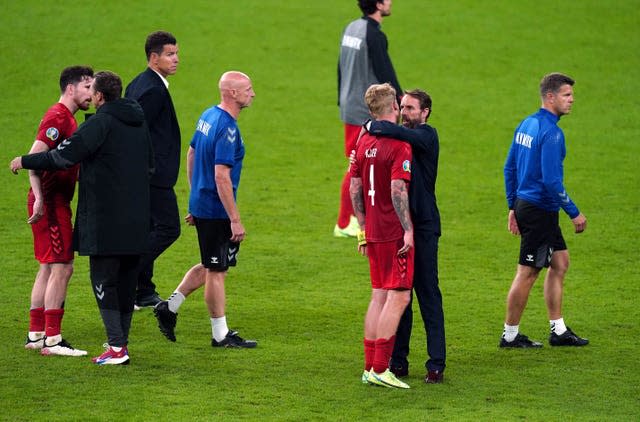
(114, 278)
(427, 291)
(164, 230)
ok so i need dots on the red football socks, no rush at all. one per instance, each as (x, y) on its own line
(369, 352)
(36, 319)
(53, 321)
(384, 349)
(346, 208)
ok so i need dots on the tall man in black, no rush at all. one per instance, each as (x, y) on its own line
(415, 110)
(113, 148)
(150, 89)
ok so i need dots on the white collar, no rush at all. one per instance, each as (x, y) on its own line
(164, 80)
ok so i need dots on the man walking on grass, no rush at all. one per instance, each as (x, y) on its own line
(533, 176)
(214, 165)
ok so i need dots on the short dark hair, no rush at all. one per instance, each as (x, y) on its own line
(156, 42)
(109, 84)
(553, 82)
(423, 98)
(73, 75)
(368, 7)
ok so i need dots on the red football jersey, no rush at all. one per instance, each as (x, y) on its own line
(378, 162)
(57, 125)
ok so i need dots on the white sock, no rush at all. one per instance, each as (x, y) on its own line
(35, 335)
(116, 349)
(557, 326)
(175, 300)
(510, 332)
(219, 328)
(53, 340)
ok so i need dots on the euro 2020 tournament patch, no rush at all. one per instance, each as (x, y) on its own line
(52, 133)
(406, 166)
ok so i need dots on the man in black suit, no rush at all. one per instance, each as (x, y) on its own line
(415, 109)
(150, 89)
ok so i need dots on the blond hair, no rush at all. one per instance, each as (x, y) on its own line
(380, 98)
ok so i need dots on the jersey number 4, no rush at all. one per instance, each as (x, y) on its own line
(372, 189)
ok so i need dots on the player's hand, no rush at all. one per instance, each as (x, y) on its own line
(189, 219)
(512, 224)
(361, 237)
(237, 232)
(580, 223)
(15, 165)
(38, 211)
(362, 249)
(352, 157)
(408, 242)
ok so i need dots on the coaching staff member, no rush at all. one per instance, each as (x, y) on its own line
(533, 177)
(113, 148)
(415, 109)
(214, 166)
(151, 90)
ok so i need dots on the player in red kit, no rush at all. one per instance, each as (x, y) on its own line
(48, 205)
(379, 191)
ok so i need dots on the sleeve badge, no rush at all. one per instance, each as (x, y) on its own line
(231, 134)
(406, 166)
(52, 133)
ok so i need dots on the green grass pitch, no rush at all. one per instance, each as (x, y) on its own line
(301, 293)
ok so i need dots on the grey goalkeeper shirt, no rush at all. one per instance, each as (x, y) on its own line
(364, 61)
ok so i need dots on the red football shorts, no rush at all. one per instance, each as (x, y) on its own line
(52, 234)
(351, 133)
(388, 270)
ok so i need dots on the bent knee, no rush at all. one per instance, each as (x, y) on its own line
(559, 262)
(527, 274)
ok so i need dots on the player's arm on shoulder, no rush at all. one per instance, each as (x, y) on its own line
(83, 143)
(419, 137)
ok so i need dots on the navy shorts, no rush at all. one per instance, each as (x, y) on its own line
(540, 234)
(217, 251)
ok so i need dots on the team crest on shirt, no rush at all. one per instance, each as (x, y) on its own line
(52, 133)
(406, 166)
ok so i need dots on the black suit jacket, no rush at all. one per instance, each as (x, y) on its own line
(148, 89)
(425, 148)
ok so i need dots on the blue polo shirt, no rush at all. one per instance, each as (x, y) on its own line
(216, 140)
(533, 170)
